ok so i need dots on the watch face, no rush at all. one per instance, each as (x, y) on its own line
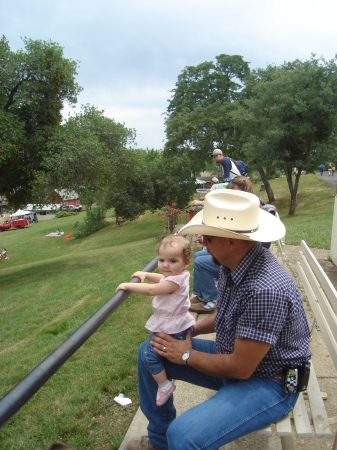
(185, 356)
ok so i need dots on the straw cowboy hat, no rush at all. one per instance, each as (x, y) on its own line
(235, 214)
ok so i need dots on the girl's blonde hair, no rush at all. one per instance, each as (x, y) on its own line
(181, 242)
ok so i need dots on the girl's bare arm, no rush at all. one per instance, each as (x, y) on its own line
(164, 288)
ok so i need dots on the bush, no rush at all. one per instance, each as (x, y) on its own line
(94, 221)
(61, 214)
(170, 216)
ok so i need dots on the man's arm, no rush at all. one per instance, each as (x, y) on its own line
(240, 364)
(205, 326)
(197, 203)
(227, 165)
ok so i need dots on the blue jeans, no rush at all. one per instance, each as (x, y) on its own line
(204, 272)
(239, 407)
(155, 362)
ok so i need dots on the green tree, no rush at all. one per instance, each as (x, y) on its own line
(171, 178)
(289, 117)
(150, 181)
(87, 154)
(198, 116)
(132, 193)
(34, 84)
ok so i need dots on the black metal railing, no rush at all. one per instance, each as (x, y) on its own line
(26, 388)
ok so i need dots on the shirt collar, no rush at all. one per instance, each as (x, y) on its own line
(241, 269)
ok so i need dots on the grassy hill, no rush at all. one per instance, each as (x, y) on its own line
(50, 286)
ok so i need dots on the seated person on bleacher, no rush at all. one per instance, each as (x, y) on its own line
(261, 332)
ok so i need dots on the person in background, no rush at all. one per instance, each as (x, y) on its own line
(214, 182)
(171, 290)
(200, 201)
(228, 167)
(205, 272)
(241, 183)
(321, 168)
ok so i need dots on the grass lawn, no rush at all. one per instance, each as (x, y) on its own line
(50, 286)
(314, 213)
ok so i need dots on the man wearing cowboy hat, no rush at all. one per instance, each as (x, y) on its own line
(228, 166)
(262, 336)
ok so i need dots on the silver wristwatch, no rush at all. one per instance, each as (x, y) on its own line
(186, 355)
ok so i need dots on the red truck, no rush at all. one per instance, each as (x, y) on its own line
(14, 223)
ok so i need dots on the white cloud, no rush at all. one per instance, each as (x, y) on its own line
(132, 52)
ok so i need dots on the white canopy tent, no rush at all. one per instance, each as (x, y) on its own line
(20, 212)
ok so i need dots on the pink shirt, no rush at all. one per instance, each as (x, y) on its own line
(171, 310)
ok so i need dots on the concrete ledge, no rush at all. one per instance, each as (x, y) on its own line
(185, 397)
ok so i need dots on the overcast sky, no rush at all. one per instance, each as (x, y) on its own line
(132, 51)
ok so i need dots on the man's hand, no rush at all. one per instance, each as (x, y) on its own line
(170, 348)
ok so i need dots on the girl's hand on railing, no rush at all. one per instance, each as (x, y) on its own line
(121, 287)
(140, 275)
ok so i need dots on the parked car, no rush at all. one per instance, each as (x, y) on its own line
(75, 208)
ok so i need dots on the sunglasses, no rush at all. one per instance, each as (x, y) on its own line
(206, 240)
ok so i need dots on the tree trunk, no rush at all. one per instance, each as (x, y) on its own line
(293, 188)
(269, 190)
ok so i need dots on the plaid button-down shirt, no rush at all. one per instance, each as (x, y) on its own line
(259, 300)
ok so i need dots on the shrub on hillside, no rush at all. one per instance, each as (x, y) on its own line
(61, 214)
(94, 221)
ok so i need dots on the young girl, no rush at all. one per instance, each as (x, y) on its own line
(171, 290)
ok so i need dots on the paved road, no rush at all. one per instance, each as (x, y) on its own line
(331, 181)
